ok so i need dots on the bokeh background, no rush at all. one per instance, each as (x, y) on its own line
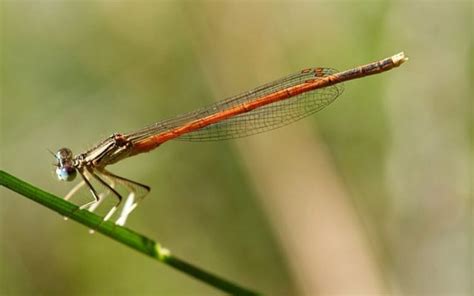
(370, 196)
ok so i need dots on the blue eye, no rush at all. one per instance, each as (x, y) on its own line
(66, 173)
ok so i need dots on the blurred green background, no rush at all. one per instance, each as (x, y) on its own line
(369, 196)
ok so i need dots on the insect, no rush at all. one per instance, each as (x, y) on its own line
(267, 107)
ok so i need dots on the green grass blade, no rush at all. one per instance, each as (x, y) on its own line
(120, 234)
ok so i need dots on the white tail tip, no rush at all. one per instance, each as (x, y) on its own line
(399, 58)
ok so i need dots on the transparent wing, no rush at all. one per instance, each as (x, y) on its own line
(259, 120)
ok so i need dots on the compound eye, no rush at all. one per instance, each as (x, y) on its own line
(66, 173)
(64, 154)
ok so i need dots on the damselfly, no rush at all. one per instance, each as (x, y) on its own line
(267, 107)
